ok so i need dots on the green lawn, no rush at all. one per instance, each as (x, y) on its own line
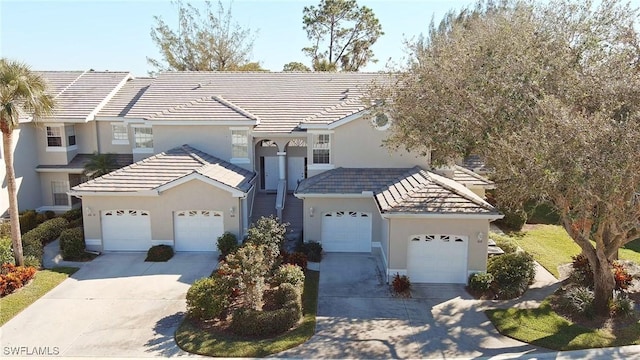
(192, 339)
(543, 327)
(42, 283)
(551, 246)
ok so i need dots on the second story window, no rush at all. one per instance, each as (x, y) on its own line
(239, 144)
(54, 136)
(321, 149)
(143, 137)
(119, 134)
(71, 135)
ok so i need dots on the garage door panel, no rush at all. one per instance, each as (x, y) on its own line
(346, 231)
(437, 259)
(197, 230)
(126, 230)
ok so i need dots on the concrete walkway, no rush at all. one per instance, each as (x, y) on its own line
(52, 257)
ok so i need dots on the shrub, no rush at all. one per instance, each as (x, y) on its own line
(32, 250)
(513, 220)
(512, 273)
(6, 251)
(72, 244)
(48, 231)
(5, 229)
(480, 282)
(296, 258)
(76, 223)
(14, 277)
(268, 231)
(312, 249)
(581, 274)
(621, 305)
(208, 298)
(227, 244)
(49, 214)
(73, 214)
(622, 276)
(248, 266)
(401, 284)
(159, 253)
(289, 274)
(505, 243)
(579, 299)
(28, 221)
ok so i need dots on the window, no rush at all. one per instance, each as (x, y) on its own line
(59, 190)
(71, 135)
(54, 136)
(321, 145)
(239, 144)
(119, 134)
(143, 137)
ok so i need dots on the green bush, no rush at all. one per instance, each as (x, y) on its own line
(512, 273)
(248, 267)
(208, 298)
(579, 300)
(227, 244)
(73, 214)
(513, 220)
(289, 274)
(48, 231)
(296, 258)
(506, 243)
(270, 233)
(6, 252)
(621, 305)
(312, 249)
(5, 229)
(480, 282)
(75, 223)
(32, 250)
(159, 253)
(72, 244)
(28, 221)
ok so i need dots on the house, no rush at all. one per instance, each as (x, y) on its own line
(207, 147)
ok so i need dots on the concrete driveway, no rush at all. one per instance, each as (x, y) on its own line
(359, 318)
(115, 306)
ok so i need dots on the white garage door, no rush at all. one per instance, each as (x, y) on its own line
(126, 230)
(346, 231)
(437, 259)
(197, 230)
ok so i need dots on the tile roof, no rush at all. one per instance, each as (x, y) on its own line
(79, 95)
(79, 161)
(400, 190)
(124, 99)
(469, 178)
(210, 108)
(280, 100)
(475, 163)
(166, 167)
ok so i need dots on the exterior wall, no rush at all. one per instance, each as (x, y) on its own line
(478, 190)
(46, 189)
(86, 138)
(313, 224)
(47, 157)
(359, 145)
(24, 162)
(213, 140)
(402, 229)
(192, 195)
(105, 136)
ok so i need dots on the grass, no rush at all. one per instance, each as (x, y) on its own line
(551, 246)
(543, 327)
(42, 283)
(195, 340)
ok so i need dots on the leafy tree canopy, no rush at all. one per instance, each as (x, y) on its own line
(549, 95)
(295, 66)
(208, 41)
(341, 34)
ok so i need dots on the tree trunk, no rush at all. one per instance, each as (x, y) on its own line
(16, 238)
(603, 285)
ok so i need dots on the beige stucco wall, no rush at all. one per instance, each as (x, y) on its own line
(358, 144)
(24, 162)
(192, 195)
(402, 229)
(45, 185)
(105, 136)
(313, 224)
(86, 138)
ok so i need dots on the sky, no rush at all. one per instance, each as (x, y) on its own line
(115, 35)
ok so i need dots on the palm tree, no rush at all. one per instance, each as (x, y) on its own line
(22, 94)
(100, 164)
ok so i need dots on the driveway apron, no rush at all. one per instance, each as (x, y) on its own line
(358, 317)
(116, 305)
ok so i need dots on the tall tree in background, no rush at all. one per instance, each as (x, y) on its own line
(549, 95)
(296, 66)
(22, 94)
(341, 34)
(209, 42)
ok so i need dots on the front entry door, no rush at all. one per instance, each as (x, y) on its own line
(295, 172)
(270, 173)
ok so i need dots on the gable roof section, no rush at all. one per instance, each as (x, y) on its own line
(165, 170)
(80, 95)
(209, 108)
(469, 178)
(280, 100)
(123, 100)
(406, 191)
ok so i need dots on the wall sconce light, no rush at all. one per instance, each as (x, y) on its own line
(311, 211)
(89, 211)
(232, 211)
(480, 237)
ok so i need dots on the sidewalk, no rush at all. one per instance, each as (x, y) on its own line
(52, 257)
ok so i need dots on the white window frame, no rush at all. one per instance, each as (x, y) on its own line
(321, 146)
(70, 130)
(116, 136)
(136, 148)
(55, 131)
(60, 187)
(240, 145)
